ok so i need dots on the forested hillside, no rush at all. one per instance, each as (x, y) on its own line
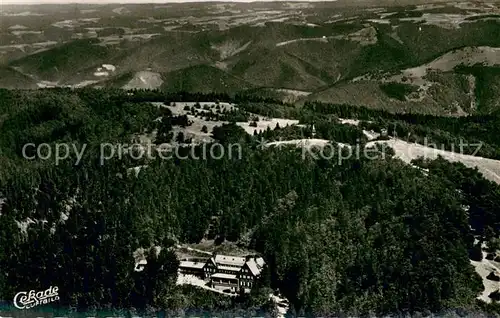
(431, 57)
(366, 236)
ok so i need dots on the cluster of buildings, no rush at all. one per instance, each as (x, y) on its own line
(226, 273)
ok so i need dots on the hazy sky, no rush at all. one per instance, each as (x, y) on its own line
(81, 1)
(114, 1)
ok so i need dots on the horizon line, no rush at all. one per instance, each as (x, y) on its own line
(125, 2)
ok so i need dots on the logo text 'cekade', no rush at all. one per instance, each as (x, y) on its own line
(27, 300)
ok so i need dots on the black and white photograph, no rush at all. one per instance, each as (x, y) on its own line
(256, 159)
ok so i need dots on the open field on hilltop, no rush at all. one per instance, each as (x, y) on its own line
(468, 56)
(409, 151)
(198, 122)
(403, 150)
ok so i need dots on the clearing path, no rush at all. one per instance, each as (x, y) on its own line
(321, 39)
(484, 268)
(408, 151)
(469, 56)
(307, 143)
(194, 250)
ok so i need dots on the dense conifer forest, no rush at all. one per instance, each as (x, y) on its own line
(367, 236)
